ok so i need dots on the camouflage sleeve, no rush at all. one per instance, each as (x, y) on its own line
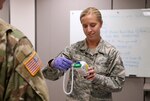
(30, 69)
(26, 81)
(116, 75)
(52, 73)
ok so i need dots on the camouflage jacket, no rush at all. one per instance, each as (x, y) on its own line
(20, 76)
(108, 65)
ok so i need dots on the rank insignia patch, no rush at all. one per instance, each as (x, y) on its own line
(33, 64)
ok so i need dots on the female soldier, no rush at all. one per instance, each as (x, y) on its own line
(106, 73)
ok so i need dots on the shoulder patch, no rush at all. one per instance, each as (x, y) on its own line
(33, 64)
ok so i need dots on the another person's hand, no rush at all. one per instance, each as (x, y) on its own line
(62, 63)
(90, 74)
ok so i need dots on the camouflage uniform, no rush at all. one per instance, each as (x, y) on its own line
(18, 80)
(110, 72)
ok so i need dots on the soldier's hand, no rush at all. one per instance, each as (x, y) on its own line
(90, 74)
(62, 63)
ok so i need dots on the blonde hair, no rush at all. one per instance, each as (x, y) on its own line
(91, 10)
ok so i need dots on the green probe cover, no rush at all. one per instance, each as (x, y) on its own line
(77, 65)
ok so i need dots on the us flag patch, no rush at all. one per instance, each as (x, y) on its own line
(33, 64)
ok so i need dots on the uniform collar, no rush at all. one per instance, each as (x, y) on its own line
(4, 27)
(84, 46)
(98, 48)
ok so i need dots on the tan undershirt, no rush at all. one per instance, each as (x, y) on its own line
(92, 50)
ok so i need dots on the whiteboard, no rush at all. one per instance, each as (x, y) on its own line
(128, 30)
